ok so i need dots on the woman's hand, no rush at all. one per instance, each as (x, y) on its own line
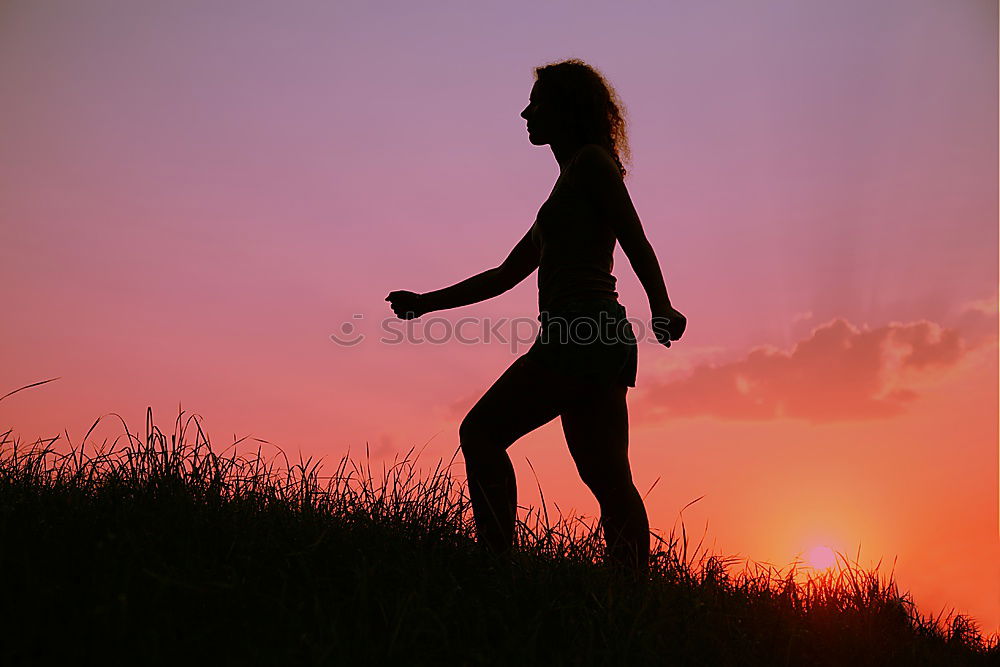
(407, 305)
(668, 324)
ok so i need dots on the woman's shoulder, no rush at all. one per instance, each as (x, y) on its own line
(592, 149)
(589, 161)
(592, 164)
(595, 155)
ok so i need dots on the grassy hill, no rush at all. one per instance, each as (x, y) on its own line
(161, 551)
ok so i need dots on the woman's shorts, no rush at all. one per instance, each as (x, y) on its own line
(590, 340)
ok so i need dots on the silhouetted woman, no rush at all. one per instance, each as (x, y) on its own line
(584, 359)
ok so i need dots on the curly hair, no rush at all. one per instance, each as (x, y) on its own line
(591, 106)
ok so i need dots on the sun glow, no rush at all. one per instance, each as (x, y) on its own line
(821, 557)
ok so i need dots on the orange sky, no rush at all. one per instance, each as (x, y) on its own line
(192, 201)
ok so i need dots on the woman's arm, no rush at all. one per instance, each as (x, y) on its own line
(521, 261)
(601, 177)
(479, 287)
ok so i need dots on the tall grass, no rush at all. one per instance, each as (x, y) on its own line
(160, 550)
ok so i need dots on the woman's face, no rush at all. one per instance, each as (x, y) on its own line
(543, 122)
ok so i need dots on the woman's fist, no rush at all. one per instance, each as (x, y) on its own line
(406, 305)
(668, 325)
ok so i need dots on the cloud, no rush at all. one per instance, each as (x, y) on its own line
(385, 444)
(839, 372)
(978, 321)
(461, 406)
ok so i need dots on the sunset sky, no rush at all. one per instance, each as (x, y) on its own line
(193, 199)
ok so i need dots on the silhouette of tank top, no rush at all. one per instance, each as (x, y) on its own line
(576, 247)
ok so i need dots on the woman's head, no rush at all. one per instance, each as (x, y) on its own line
(572, 102)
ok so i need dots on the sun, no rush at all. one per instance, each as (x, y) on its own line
(821, 557)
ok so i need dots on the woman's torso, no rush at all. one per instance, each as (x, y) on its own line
(576, 247)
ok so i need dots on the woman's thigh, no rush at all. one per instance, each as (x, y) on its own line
(527, 395)
(596, 430)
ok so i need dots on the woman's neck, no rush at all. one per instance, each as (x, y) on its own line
(564, 154)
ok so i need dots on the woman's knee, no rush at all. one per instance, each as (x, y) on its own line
(477, 438)
(609, 485)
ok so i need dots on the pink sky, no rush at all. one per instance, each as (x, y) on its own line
(193, 199)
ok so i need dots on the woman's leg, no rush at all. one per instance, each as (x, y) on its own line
(596, 428)
(525, 397)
